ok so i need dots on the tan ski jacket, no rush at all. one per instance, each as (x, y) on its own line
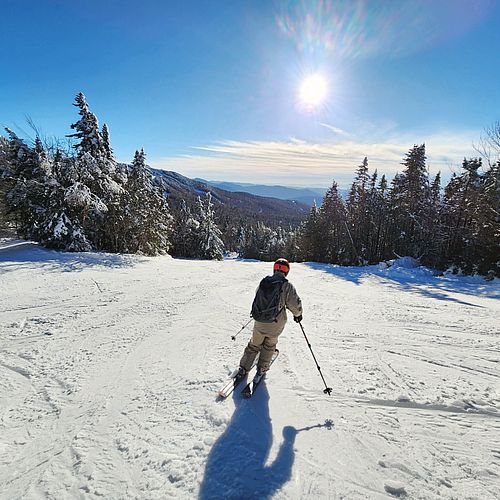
(289, 300)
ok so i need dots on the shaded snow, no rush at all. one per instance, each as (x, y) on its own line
(109, 367)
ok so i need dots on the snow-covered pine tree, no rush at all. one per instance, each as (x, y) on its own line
(147, 221)
(291, 245)
(30, 193)
(249, 248)
(435, 234)
(358, 213)
(81, 221)
(185, 233)
(278, 243)
(96, 171)
(87, 130)
(38, 198)
(336, 245)
(489, 224)
(7, 182)
(210, 243)
(435, 194)
(97, 168)
(371, 214)
(106, 143)
(409, 204)
(309, 236)
(471, 219)
(461, 198)
(45, 194)
(241, 240)
(230, 233)
(263, 242)
(380, 217)
(70, 211)
(65, 233)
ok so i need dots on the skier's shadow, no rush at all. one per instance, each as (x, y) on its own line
(236, 467)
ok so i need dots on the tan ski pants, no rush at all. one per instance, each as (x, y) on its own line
(259, 343)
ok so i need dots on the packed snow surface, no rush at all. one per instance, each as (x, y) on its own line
(110, 365)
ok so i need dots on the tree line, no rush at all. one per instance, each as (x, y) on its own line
(79, 198)
(455, 228)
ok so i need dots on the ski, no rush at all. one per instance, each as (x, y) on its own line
(250, 388)
(234, 380)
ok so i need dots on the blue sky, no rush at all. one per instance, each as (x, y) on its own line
(210, 88)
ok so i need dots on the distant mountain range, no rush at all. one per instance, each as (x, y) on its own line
(306, 196)
(269, 210)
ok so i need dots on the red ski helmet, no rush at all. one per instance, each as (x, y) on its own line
(281, 265)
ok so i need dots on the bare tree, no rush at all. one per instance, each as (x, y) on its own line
(489, 143)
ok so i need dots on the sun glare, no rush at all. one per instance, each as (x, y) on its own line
(313, 91)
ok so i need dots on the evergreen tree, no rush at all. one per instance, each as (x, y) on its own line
(96, 166)
(471, 219)
(241, 240)
(106, 143)
(358, 213)
(39, 200)
(186, 228)
(87, 131)
(96, 179)
(489, 218)
(71, 208)
(409, 205)
(310, 237)
(278, 244)
(210, 243)
(7, 182)
(461, 198)
(65, 232)
(147, 220)
(434, 232)
(291, 246)
(249, 247)
(379, 216)
(28, 196)
(336, 245)
(258, 242)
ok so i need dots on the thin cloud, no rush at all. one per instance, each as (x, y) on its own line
(299, 162)
(336, 130)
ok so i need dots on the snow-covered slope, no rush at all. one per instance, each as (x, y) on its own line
(109, 367)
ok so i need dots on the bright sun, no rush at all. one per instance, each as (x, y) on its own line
(313, 90)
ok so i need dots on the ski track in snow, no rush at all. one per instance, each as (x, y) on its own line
(109, 368)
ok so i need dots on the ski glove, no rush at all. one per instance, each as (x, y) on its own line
(297, 319)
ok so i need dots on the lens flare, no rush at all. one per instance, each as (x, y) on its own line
(313, 91)
(350, 29)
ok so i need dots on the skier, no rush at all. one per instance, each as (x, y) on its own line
(270, 321)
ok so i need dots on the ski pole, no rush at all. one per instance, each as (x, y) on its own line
(326, 390)
(233, 337)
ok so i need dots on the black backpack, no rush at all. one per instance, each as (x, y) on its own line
(266, 305)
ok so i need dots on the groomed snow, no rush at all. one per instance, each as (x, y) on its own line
(109, 367)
